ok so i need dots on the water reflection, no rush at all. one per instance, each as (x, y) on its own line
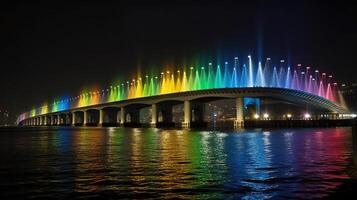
(156, 163)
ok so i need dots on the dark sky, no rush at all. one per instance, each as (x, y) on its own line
(51, 50)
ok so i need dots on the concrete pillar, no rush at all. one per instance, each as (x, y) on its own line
(239, 122)
(153, 114)
(187, 113)
(122, 115)
(85, 118)
(40, 119)
(45, 123)
(73, 119)
(101, 117)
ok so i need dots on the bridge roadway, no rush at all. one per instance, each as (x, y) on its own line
(127, 112)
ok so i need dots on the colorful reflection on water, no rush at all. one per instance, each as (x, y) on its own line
(155, 163)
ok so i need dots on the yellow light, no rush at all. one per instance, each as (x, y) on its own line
(256, 116)
(288, 115)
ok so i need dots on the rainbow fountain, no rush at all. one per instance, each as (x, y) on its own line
(229, 75)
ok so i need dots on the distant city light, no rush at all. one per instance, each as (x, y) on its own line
(256, 116)
(265, 115)
(307, 116)
(288, 115)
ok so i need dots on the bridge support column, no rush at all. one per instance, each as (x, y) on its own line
(45, 122)
(101, 117)
(40, 121)
(73, 119)
(239, 122)
(187, 113)
(153, 114)
(122, 116)
(85, 117)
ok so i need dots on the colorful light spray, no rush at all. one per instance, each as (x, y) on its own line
(201, 78)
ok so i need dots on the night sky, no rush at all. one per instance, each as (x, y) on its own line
(52, 50)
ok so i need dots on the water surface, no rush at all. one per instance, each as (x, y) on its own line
(188, 164)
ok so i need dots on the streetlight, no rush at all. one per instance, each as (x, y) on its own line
(256, 116)
(307, 116)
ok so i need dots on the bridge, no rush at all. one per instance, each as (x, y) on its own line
(120, 104)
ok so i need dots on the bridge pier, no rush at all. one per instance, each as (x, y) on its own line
(239, 122)
(187, 114)
(47, 121)
(73, 123)
(101, 117)
(60, 119)
(43, 120)
(84, 118)
(153, 115)
(122, 116)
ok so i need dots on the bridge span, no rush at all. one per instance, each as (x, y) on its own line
(127, 112)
